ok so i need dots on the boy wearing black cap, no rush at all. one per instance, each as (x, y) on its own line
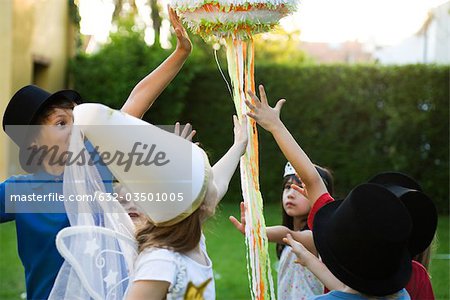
(31, 105)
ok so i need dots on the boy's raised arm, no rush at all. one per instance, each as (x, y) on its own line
(148, 89)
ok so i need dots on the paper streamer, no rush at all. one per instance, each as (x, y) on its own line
(240, 57)
(233, 23)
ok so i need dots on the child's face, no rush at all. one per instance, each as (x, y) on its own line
(56, 131)
(129, 206)
(295, 203)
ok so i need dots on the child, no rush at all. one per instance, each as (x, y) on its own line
(173, 262)
(338, 227)
(294, 281)
(34, 106)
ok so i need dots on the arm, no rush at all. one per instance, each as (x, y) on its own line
(309, 260)
(269, 118)
(224, 169)
(148, 289)
(277, 234)
(148, 89)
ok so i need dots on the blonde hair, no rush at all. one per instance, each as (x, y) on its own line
(180, 237)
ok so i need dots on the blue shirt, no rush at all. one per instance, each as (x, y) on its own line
(36, 232)
(338, 295)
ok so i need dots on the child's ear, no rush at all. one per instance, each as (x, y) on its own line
(206, 210)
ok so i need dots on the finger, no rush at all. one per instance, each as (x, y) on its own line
(242, 213)
(297, 188)
(235, 121)
(236, 223)
(178, 33)
(177, 128)
(262, 94)
(186, 130)
(244, 120)
(197, 143)
(191, 135)
(253, 96)
(171, 15)
(250, 105)
(253, 116)
(280, 104)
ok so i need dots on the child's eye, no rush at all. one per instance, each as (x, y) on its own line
(61, 123)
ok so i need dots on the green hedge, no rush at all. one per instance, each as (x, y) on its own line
(356, 120)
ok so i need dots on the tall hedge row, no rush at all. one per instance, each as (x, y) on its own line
(356, 120)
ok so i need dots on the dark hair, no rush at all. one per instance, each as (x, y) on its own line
(327, 178)
(287, 220)
(48, 108)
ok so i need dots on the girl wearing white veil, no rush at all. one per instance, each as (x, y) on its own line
(167, 258)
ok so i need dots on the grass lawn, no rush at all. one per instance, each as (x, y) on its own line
(227, 250)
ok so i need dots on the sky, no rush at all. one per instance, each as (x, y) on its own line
(375, 22)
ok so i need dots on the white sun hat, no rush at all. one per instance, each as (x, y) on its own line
(166, 175)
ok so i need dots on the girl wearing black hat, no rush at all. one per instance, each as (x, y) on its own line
(34, 106)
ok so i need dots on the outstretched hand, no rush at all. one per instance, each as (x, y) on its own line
(303, 255)
(240, 225)
(183, 42)
(240, 132)
(301, 190)
(187, 133)
(267, 117)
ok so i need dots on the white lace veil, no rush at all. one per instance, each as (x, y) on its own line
(99, 247)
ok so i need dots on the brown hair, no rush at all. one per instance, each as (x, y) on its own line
(48, 108)
(181, 237)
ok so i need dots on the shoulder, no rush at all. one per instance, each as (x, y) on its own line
(155, 264)
(156, 254)
(419, 274)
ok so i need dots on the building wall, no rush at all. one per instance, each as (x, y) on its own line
(35, 36)
(6, 9)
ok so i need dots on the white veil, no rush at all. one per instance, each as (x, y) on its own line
(99, 247)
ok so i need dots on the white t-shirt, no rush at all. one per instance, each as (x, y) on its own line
(294, 280)
(188, 279)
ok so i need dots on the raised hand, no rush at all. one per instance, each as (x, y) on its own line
(303, 255)
(187, 132)
(183, 42)
(240, 132)
(267, 117)
(240, 225)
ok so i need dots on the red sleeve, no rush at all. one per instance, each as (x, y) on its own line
(321, 201)
(419, 285)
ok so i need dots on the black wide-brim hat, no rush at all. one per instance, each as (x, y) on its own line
(23, 108)
(363, 240)
(421, 208)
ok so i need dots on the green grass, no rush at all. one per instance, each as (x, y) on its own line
(227, 250)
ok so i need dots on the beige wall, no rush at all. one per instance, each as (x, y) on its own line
(5, 76)
(32, 31)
